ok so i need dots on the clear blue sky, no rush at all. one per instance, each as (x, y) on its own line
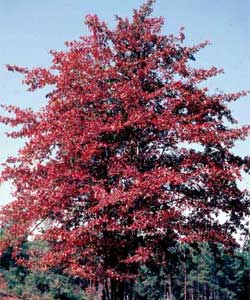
(29, 29)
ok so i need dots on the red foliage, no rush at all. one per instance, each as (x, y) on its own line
(105, 167)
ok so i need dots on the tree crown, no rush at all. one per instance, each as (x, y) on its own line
(104, 178)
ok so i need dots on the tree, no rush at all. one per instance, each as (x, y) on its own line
(211, 273)
(105, 177)
(33, 284)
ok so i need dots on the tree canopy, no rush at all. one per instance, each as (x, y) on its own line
(131, 154)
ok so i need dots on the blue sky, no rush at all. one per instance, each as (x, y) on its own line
(29, 29)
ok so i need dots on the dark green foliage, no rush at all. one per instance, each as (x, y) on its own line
(205, 272)
(28, 284)
(55, 286)
(202, 272)
(150, 285)
(45, 285)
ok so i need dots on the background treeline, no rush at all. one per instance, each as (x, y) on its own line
(196, 272)
(203, 272)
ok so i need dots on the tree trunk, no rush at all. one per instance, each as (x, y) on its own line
(120, 291)
(113, 286)
(208, 292)
(106, 295)
(131, 290)
(185, 282)
(165, 294)
(170, 287)
(192, 291)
